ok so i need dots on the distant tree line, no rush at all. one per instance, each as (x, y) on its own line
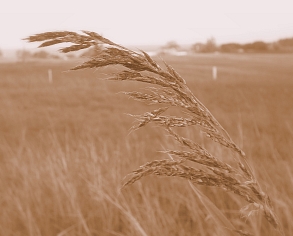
(24, 55)
(282, 45)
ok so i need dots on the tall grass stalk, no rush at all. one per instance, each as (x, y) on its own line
(169, 91)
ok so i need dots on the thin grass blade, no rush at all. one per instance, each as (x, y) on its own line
(217, 215)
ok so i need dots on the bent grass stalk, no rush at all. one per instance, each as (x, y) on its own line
(169, 90)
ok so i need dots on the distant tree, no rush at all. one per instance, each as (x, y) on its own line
(231, 47)
(257, 46)
(285, 45)
(1, 53)
(44, 55)
(288, 42)
(211, 45)
(41, 55)
(23, 55)
(274, 47)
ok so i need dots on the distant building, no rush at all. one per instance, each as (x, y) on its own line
(172, 51)
(172, 48)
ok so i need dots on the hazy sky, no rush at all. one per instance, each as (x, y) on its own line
(149, 22)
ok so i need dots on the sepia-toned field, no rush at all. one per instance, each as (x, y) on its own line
(66, 146)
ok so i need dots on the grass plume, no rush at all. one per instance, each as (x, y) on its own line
(169, 90)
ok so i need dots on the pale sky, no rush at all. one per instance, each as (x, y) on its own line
(131, 22)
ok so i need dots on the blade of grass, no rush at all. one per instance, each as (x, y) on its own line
(216, 213)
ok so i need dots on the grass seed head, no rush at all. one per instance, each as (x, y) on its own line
(170, 89)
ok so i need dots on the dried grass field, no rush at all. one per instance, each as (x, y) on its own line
(65, 148)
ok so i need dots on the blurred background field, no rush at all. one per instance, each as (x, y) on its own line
(65, 147)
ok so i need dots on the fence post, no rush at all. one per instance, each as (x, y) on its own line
(50, 76)
(214, 72)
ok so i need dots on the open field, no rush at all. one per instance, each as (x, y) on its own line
(65, 148)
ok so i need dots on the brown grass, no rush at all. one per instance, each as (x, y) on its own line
(191, 161)
(64, 149)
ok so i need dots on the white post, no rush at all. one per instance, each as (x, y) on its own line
(214, 72)
(50, 76)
